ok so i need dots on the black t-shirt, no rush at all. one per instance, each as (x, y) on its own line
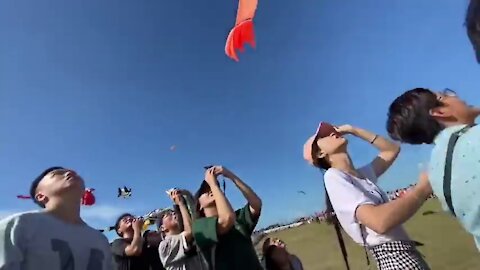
(124, 262)
(153, 258)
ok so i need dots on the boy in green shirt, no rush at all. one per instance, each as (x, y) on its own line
(224, 236)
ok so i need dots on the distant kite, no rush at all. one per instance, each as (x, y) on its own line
(243, 31)
(124, 192)
(88, 198)
(173, 148)
(302, 192)
(23, 197)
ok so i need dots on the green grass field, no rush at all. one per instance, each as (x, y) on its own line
(447, 245)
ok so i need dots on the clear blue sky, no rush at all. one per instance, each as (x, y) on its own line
(106, 87)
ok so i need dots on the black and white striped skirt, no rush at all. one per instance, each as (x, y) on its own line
(398, 255)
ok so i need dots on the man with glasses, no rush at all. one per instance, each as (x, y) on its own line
(129, 251)
(420, 116)
(56, 237)
(176, 249)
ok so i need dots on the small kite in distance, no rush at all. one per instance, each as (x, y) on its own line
(23, 197)
(173, 148)
(124, 192)
(243, 31)
(88, 198)
(302, 192)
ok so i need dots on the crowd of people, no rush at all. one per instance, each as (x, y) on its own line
(210, 234)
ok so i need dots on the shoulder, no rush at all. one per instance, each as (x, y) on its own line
(24, 218)
(334, 178)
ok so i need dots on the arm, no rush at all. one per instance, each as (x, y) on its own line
(226, 215)
(388, 149)
(384, 217)
(136, 246)
(11, 253)
(187, 221)
(253, 200)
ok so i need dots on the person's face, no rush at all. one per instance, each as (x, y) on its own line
(206, 199)
(454, 108)
(169, 221)
(60, 182)
(277, 242)
(125, 224)
(328, 141)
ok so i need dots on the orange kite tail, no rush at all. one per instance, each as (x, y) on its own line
(243, 31)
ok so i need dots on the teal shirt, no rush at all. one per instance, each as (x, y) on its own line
(465, 185)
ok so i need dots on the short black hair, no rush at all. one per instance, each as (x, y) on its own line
(409, 118)
(36, 181)
(117, 223)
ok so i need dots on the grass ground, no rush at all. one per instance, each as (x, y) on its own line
(447, 245)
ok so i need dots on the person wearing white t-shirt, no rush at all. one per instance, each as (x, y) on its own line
(56, 238)
(361, 207)
(175, 249)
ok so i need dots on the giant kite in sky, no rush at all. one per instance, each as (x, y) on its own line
(243, 31)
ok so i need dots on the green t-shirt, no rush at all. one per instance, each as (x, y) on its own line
(233, 250)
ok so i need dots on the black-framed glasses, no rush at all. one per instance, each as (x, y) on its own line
(448, 92)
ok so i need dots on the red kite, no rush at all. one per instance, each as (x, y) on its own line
(88, 197)
(243, 31)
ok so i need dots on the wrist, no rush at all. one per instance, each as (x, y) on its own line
(421, 193)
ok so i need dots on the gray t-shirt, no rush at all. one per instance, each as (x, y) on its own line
(37, 240)
(172, 251)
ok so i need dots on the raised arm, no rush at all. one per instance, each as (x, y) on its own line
(226, 215)
(382, 218)
(389, 150)
(253, 200)
(187, 220)
(136, 246)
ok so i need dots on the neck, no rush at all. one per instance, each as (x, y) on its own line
(343, 162)
(66, 211)
(210, 211)
(128, 234)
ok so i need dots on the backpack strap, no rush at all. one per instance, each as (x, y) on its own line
(447, 174)
(338, 231)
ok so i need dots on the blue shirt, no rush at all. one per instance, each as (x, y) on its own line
(465, 185)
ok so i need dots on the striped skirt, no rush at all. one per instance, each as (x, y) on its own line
(398, 255)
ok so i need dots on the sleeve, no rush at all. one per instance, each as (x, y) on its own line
(172, 249)
(369, 172)
(11, 249)
(245, 219)
(118, 247)
(205, 232)
(344, 195)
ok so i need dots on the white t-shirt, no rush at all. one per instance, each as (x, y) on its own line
(347, 193)
(172, 251)
(37, 240)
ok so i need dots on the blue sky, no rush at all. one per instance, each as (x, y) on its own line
(106, 87)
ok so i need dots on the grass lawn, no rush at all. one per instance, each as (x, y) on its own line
(447, 245)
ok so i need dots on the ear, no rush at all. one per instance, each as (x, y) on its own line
(41, 198)
(440, 112)
(321, 154)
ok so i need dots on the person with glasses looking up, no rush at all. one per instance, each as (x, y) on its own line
(56, 237)
(129, 251)
(422, 116)
(361, 207)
